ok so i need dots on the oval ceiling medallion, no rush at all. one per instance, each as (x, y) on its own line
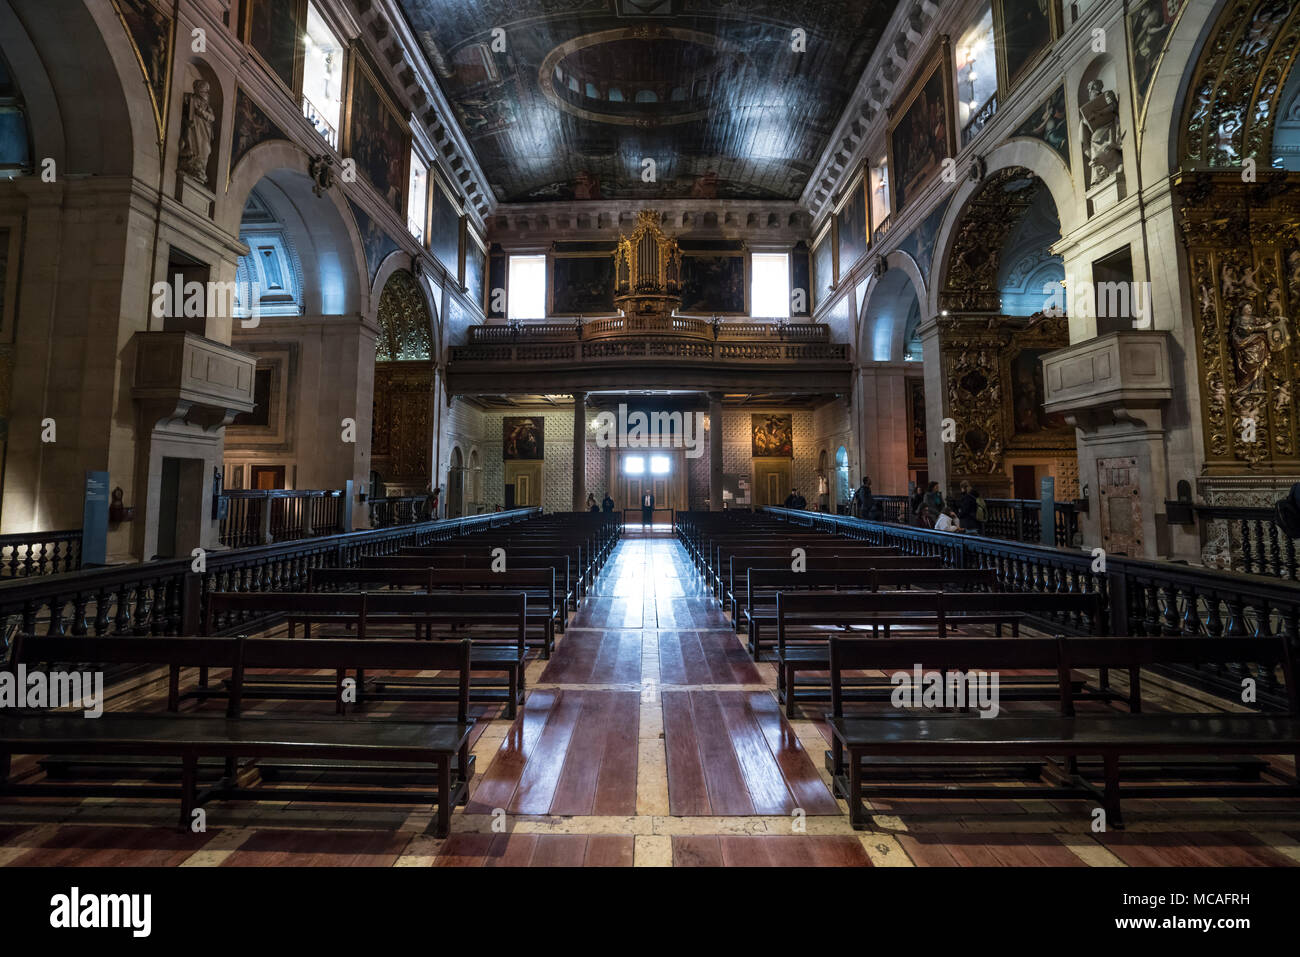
(639, 76)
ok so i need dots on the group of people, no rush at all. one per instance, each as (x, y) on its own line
(931, 510)
(606, 504)
(795, 500)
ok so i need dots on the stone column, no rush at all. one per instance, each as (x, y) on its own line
(579, 451)
(715, 451)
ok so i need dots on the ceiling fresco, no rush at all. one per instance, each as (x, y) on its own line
(567, 99)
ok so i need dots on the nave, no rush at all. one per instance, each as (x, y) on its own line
(649, 738)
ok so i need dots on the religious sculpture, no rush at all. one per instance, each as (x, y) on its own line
(1254, 340)
(1100, 131)
(196, 132)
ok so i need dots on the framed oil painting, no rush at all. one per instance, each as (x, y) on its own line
(151, 35)
(823, 264)
(582, 284)
(714, 284)
(475, 265)
(271, 32)
(1025, 30)
(922, 129)
(771, 436)
(1027, 394)
(917, 444)
(444, 224)
(1149, 25)
(851, 227)
(1047, 123)
(523, 438)
(377, 138)
(496, 305)
(800, 281)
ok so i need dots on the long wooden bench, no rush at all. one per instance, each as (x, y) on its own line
(374, 744)
(545, 613)
(740, 597)
(499, 644)
(805, 621)
(722, 551)
(564, 585)
(1067, 735)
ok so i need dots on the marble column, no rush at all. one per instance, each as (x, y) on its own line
(579, 451)
(715, 451)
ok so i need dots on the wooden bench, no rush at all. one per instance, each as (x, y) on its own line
(740, 597)
(441, 747)
(545, 613)
(500, 646)
(805, 620)
(564, 585)
(1058, 741)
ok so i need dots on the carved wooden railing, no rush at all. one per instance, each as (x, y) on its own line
(1012, 518)
(170, 597)
(398, 510)
(39, 553)
(1242, 539)
(263, 516)
(650, 348)
(1141, 597)
(682, 327)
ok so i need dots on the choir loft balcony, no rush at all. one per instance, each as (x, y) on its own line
(675, 352)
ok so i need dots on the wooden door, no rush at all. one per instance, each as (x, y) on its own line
(267, 476)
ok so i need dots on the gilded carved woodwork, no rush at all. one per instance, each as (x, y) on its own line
(981, 356)
(1243, 245)
(971, 280)
(1233, 99)
(401, 441)
(404, 327)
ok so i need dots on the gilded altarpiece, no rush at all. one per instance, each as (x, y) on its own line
(401, 441)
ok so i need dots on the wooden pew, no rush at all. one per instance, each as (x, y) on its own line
(804, 620)
(761, 586)
(1109, 737)
(439, 746)
(545, 613)
(564, 584)
(501, 646)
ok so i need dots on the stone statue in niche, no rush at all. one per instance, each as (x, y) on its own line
(1254, 340)
(196, 132)
(1100, 132)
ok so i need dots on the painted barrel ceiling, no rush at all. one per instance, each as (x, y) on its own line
(568, 99)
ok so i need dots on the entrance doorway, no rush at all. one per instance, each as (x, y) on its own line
(266, 476)
(771, 481)
(656, 471)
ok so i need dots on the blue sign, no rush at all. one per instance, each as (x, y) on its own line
(1047, 510)
(94, 520)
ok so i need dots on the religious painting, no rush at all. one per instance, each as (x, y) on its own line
(375, 241)
(771, 436)
(919, 243)
(713, 284)
(851, 224)
(150, 30)
(377, 136)
(444, 224)
(252, 126)
(1025, 29)
(1149, 25)
(475, 265)
(582, 285)
(823, 266)
(917, 443)
(921, 129)
(271, 31)
(522, 437)
(1047, 123)
(1027, 395)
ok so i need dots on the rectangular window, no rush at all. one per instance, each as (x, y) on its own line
(660, 465)
(417, 197)
(634, 465)
(770, 292)
(977, 76)
(527, 288)
(879, 193)
(322, 77)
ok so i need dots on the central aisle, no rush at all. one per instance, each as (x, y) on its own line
(651, 738)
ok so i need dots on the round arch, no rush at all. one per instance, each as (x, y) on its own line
(401, 260)
(1030, 155)
(881, 324)
(329, 237)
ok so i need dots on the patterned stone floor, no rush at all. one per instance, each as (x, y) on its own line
(649, 739)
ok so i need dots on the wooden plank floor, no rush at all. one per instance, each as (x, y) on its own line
(650, 738)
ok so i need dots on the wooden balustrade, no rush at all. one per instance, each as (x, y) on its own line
(262, 516)
(40, 553)
(170, 598)
(1142, 597)
(631, 326)
(398, 510)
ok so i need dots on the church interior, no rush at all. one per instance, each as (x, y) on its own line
(649, 433)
